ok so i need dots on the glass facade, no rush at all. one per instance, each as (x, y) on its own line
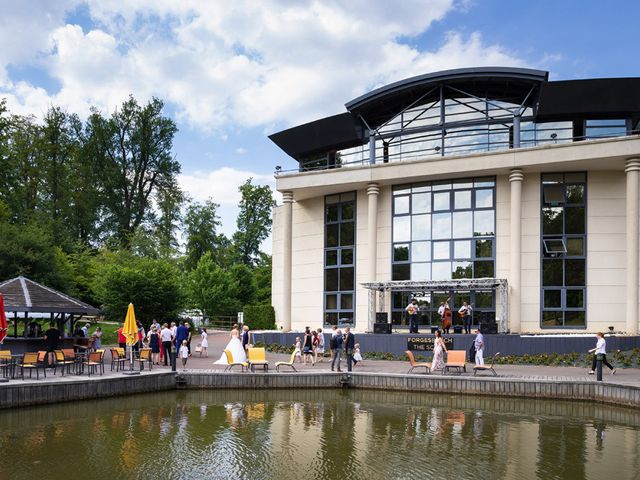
(339, 259)
(444, 231)
(563, 250)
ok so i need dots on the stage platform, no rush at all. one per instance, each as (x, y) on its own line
(506, 344)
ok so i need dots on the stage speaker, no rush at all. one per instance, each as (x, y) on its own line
(457, 329)
(382, 317)
(491, 327)
(381, 328)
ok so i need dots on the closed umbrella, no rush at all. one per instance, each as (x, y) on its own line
(130, 331)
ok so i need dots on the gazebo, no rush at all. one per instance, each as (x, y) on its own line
(22, 295)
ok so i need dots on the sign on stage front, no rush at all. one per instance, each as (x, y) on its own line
(426, 343)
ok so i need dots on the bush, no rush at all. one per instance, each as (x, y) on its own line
(260, 317)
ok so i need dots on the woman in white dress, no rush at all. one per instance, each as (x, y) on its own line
(438, 352)
(204, 343)
(235, 347)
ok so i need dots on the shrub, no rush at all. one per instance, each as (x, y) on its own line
(260, 317)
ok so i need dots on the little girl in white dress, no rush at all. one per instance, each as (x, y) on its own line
(357, 356)
(298, 349)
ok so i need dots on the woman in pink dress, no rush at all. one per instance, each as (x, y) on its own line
(438, 352)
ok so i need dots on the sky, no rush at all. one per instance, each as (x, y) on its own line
(233, 72)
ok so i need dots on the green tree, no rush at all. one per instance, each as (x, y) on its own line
(254, 221)
(201, 223)
(244, 277)
(213, 289)
(28, 250)
(133, 150)
(152, 285)
(262, 274)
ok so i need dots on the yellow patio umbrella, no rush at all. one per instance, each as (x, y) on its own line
(130, 331)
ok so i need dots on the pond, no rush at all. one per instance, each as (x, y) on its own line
(328, 434)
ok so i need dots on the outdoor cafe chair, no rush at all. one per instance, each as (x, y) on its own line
(63, 362)
(414, 364)
(231, 363)
(93, 363)
(287, 364)
(485, 368)
(117, 359)
(7, 363)
(145, 356)
(43, 360)
(30, 362)
(456, 359)
(257, 356)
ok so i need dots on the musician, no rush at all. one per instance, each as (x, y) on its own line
(445, 314)
(465, 313)
(412, 312)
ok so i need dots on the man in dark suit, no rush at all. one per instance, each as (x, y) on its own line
(349, 345)
(245, 337)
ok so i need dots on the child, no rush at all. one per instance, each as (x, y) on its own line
(298, 350)
(357, 357)
(184, 354)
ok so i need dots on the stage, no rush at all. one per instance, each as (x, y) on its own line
(506, 344)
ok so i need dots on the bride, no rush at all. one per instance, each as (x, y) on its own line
(235, 347)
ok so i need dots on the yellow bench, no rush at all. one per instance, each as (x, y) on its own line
(287, 364)
(455, 359)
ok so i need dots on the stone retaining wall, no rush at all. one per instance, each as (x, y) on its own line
(24, 394)
(504, 387)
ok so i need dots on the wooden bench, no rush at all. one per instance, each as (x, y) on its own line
(456, 359)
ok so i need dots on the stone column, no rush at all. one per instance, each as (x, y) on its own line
(515, 266)
(373, 190)
(632, 168)
(287, 203)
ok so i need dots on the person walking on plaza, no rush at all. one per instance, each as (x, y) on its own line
(97, 339)
(204, 342)
(357, 356)
(122, 340)
(465, 313)
(245, 337)
(297, 350)
(334, 332)
(320, 346)
(336, 348)
(412, 312)
(349, 345)
(307, 347)
(184, 354)
(182, 333)
(154, 344)
(51, 339)
(479, 346)
(600, 349)
(438, 352)
(166, 335)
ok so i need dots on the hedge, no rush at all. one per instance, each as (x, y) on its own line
(259, 317)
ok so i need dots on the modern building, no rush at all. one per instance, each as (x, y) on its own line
(492, 186)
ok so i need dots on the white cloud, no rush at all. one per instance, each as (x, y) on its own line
(226, 64)
(221, 185)
(241, 150)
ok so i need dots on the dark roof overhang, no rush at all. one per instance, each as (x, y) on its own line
(330, 133)
(593, 98)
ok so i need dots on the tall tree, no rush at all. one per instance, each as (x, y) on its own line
(136, 163)
(212, 289)
(254, 221)
(201, 223)
(169, 203)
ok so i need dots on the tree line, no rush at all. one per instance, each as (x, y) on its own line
(93, 208)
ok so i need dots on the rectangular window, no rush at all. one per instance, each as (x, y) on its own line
(445, 231)
(563, 250)
(339, 256)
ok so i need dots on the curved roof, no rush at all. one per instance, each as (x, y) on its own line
(24, 295)
(499, 83)
(551, 101)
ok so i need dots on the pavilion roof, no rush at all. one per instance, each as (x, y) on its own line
(24, 295)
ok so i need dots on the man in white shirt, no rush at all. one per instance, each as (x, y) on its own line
(465, 313)
(478, 343)
(166, 337)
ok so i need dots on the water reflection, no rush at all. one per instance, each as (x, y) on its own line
(319, 434)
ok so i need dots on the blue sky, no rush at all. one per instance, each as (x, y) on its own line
(233, 72)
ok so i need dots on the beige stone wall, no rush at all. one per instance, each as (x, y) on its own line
(606, 256)
(606, 250)
(276, 260)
